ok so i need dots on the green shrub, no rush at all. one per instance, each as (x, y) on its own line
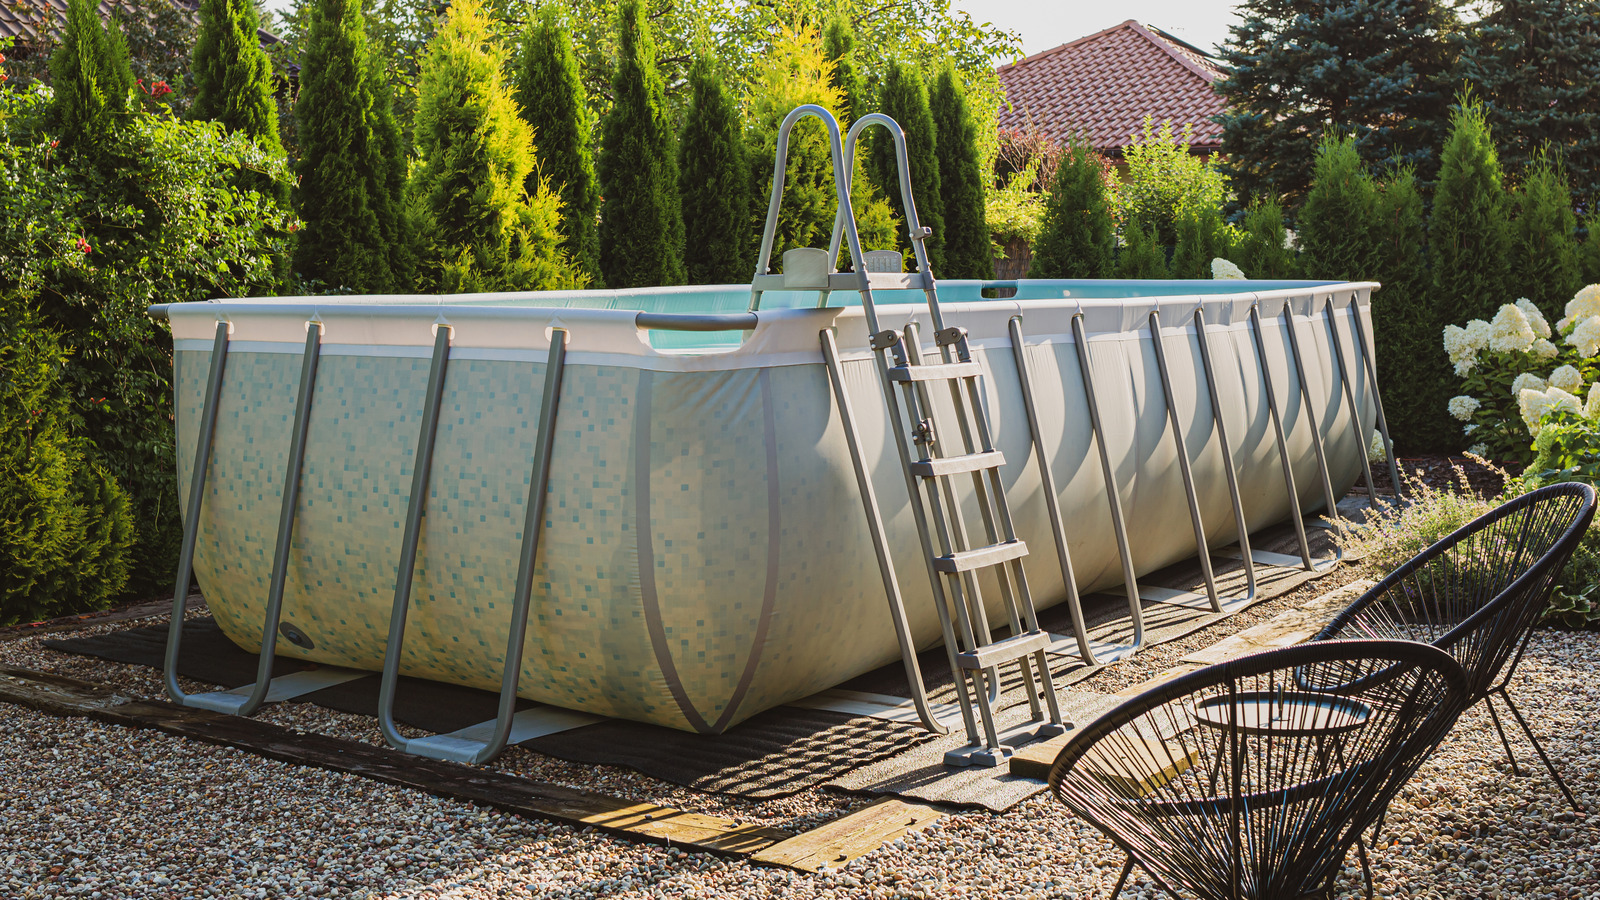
(839, 46)
(91, 76)
(905, 100)
(641, 222)
(713, 177)
(1162, 179)
(1263, 250)
(1077, 237)
(233, 79)
(1202, 237)
(1467, 234)
(1339, 212)
(1589, 248)
(967, 251)
(1544, 255)
(1139, 257)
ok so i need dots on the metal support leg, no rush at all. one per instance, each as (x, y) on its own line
(191, 521)
(1130, 580)
(1311, 564)
(1377, 397)
(1241, 527)
(1309, 405)
(1350, 399)
(1201, 548)
(1538, 748)
(453, 747)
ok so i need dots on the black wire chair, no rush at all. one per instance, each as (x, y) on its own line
(1477, 593)
(1251, 779)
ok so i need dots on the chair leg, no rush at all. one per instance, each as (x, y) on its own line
(1539, 748)
(1366, 868)
(1122, 879)
(1495, 718)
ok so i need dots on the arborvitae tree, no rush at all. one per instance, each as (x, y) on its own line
(474, 155)
(967, 243)
(232, 75)
(1334, 227)
(1263, 250)
(550, 94)
(641, 222)
(387, 190)
(90, 75)
(1299, 69)
(1544, 253)
(1077, 236)
(905, 99)
(839, 45)
(1413, 370)
(1139, 256)
(1202, 237)
(342, 242)
(713, 177)
(1467, 233)
(1537, 63)
(1589, 249)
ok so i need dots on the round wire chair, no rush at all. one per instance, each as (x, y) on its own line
(1251, 779)
(1477, 593)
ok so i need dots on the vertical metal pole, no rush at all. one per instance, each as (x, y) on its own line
(1182, 446)
(1350, 398)
(1330, 501)
(191, 521)
(1052, 496)
(1241, 527)
(1113, 494)
(1377, 397)
(1283, 442)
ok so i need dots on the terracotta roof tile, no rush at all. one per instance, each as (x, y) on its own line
(1104, 86)
(23, 19)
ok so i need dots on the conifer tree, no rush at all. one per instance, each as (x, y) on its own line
(1412, 367)
(1140, 256)
(474, 155)
(1202, 237)
(232, 76)
(342, 242)
(1537, 64)
(641, 221)
(1263, 250)
(839, 45)
(91, 77)
(713, 180)
(1589, 249)
(551, 97)
(1299, 69)
(1467, 233)
(1077, 236)
(1334, 225)
(1544, 252)
(968, 251)
(905, 99)
(386, 190)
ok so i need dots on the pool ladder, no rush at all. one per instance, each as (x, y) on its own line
(934, 458)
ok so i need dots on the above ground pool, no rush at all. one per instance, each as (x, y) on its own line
(704, 554)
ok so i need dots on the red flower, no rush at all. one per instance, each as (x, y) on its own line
(83, 246)
(293, 227)
(55, 143)
(160, 89)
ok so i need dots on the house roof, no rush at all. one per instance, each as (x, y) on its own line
(25, 19)
(1105, 84)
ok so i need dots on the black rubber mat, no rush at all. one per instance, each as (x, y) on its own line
(774, 754)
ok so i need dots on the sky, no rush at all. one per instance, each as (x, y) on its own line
(1049, 23)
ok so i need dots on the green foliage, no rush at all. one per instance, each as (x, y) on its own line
(905, 99)
(1139, 256)
(485, 232)
(1589, 248)
(1543, 253)
(1567, 449)
(65, 525)
(232, 75)
(641, 222)
(1299, 70)
(714, 180)
(839, 46)
(967, 252)
(386, 189)
(342, 243)
(1162, 180)
(1202, 237)
(91, 77)
(1263, 250)
(1077, 237)
(1339, 211)
(551, 98)
(1537, 63)
(1467, 233)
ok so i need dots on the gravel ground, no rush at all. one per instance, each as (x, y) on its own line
(92, 810)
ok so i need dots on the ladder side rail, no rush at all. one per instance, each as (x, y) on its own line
(1113, 495)
(1318, 450)
(844, 213)
(914, 227)
(1201, 547)
(908, 651)
(1368, 364)
(421, 469)
(1047, 480)
(1240, 526)
(1350, 397)
(191, 521)
(1295, 513)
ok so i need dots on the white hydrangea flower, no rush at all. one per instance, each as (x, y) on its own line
(1463, 366)
(1567, 378)
(1511, 331)
(1463, 407)
(1479, 450)
(1469, 428)
(1222, 270)
(1478, 333)
(1586, 336)
(1375, 448)
(1584, 304)
(1527, 381)
(1543, 349)
(1541, 327)
(1591, 410)
(1535, 405)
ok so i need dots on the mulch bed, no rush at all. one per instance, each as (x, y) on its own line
(1438, 471)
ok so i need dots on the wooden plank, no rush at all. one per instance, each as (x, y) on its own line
(1138, 765)
(1287, 628)
(647, 821)
(1034, 760)
(850, 837)
(88, 620)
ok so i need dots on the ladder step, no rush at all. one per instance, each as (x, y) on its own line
(992, 555)
(935, 371)
(955, 465)
(1004, 651)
